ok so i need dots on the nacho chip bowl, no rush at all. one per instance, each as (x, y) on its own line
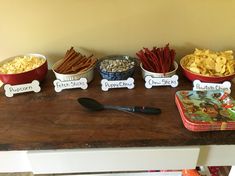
(210, 79)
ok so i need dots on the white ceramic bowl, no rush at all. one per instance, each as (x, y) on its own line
(158, 75)
(88, 74)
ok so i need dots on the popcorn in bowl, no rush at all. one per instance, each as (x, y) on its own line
(23, 69)
(21, 64)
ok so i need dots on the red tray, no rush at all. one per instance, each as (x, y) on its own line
(206, 110)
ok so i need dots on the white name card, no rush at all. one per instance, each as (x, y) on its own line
(113, 84)
(201, 86)
(73, 84)
(10, 90)
(163, 81)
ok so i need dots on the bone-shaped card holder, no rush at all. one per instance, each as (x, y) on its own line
(72, 84)
(10, 90)
(113, 84)
(162, 81)
(202, 86)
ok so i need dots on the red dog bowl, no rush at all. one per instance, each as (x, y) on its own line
(38, 73)
(213, 79)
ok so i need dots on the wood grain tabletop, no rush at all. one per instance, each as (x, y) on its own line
(50, 120)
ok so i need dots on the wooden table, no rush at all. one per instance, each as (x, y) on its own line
(53, 133)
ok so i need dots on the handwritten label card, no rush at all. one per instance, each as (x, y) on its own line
(225, 86)
(106, 84)
(163, 81)
(73, 84)
(10, 90)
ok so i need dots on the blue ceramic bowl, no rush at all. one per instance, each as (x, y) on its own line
(117, 75)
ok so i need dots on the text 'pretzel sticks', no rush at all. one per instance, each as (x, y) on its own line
(72, 84)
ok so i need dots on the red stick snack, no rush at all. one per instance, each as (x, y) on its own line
(159, 60)
(145, 60)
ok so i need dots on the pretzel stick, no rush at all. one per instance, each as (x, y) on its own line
(68, 51)
(84, 62)
(69, 65)
(84, 69)
(71, 50)
(64, 64)
(90, 64)
(78, 69)
(93, 61)
(80, 61)
(89, 60)
(69, 56)
(75, 62)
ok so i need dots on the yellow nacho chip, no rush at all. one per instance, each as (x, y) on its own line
(210, 63)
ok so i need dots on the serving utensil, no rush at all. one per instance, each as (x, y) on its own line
(94, 105)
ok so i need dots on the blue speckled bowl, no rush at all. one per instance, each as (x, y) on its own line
(116, 75)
